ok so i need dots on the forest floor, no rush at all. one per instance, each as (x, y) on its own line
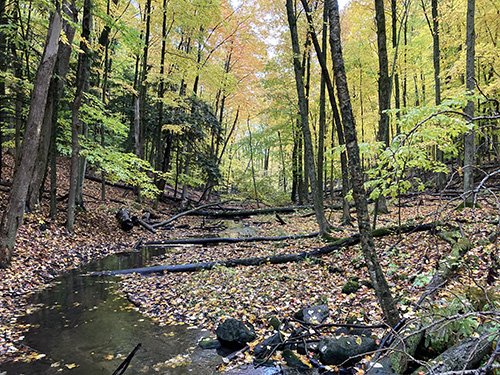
(255, 293)
(44, 250)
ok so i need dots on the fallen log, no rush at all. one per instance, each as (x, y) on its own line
(463, 356)
(143, 224)
(112, 184)
(253, 212)
(124, 219)
(447, 268)
(184, 213)
(273, 259)
(217, 240)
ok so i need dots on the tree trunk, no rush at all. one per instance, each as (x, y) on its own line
(384, 83)
(82, 79)
(282, 159)
(13, 215)
(3, 70)
(436, 59)
(463, 356)
(469, 143)
(308, 148)
(394, 24)
(322, 106)
(141, 100)
(321, 54)
(256, 194)
(274, 259)
(377, 277)
(49, 124)
(384, 89)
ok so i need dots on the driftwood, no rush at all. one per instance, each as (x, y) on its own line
(217, 240)
(274, 259)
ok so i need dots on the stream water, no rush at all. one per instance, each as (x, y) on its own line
(85, 328)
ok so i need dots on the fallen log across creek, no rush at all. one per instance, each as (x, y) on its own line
(217, 240)
(227, 214)
(272, 259)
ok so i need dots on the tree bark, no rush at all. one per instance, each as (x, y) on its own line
(82, 79)
(377, 277)
(218, 240)
(259, 211)
(49, 124)
(463, 356)
(13, 215)
(321, 54)
(384, 89)
(394, 26)
(302, 101)
(469, 141)
(256, 194)
(275, 259)
(3, 69)
(141, 99)
(322, 106)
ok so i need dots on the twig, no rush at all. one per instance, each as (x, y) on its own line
(123, 366)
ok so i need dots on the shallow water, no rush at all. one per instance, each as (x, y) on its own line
(84, 322)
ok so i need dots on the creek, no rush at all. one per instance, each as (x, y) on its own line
(84, 326)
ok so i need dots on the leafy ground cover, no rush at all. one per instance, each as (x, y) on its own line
(44, 250)
(254, 294)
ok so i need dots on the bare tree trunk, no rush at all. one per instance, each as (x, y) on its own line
(394, 24)
(3, 70)
(282, 158)
(309, 158)
(13, 215)
(469, 142)
(377, 277)
(384, 89)
(142, 84)
(49, 124)
(320, 52)
(256, 194)
(82, 79)
(436, 59)
(322, 106)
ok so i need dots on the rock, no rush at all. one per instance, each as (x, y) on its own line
(264, 348)
(234, 333)
(209, 343)
(313, 314)
(351, 286)
(334, 351)
(274, 322)
(293, 361)
(311, 347)
(380, 367)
